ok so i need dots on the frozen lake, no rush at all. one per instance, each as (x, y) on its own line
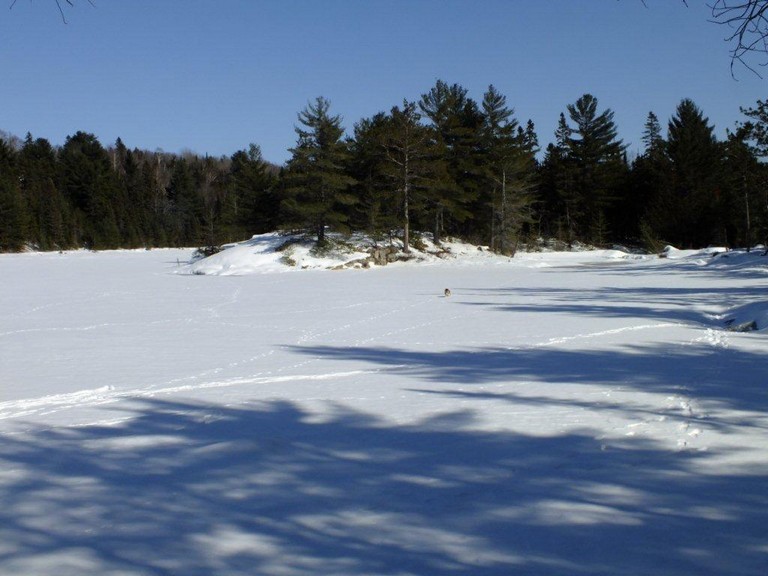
(558, 414)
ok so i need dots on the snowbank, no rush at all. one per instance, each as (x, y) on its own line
(275, 252)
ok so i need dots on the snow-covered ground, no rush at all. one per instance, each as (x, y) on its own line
(580, 413)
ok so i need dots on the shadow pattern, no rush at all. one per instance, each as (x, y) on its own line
(268, 488)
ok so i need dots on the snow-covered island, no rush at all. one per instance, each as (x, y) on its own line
(585, 412)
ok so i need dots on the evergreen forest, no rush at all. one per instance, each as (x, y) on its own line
(445, 164)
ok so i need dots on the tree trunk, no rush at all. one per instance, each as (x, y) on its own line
(406, 215)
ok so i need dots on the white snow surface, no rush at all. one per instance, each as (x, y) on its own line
(560, 413)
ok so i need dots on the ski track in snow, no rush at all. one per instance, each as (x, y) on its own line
(51, 404)
(612, 332)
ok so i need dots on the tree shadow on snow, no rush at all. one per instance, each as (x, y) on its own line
(670, 304)
(736, 379)
(268, 488)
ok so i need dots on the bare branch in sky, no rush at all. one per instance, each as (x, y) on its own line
(748, 21)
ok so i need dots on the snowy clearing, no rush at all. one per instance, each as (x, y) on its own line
(583, 413)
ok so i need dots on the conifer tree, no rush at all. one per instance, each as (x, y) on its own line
(695, 158)
(509, 169)
(648, 183)
(212, 190)
(183, 215)
(744, 192)
(13, 214)
(457, 123)
(252, 205)
(560, 207)
(317, 185)
(87, 179)
(598, 155)
(410, 162)
(50, 225)
(375, 212)
(652, 138)
(755, 130)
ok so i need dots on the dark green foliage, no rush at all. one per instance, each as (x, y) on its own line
(744, 193)
(185, 206)
(650, 178)
(12, 209)
(317, 182)
(598, 167)
(755, 130)
(688, 208)
(87, 179)
(252, 205)
(376, 211)
(508, 169)
(456, 122)
(444, 164)
(560, 208)
(411, 161)
(654, 143)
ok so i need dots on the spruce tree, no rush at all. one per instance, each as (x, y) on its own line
(652, 138)
(87, 179)
(560, 208)
(649, 186)
(695, 158)
(50, 225)
(13, 215)
(184, 210)
(252, 205)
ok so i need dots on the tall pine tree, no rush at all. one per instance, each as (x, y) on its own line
(509, 170)
(598, 155)
(317, 184)
(457, 123)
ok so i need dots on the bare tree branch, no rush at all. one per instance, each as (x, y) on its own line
(748, 20)
(58, 5)
(62, 11)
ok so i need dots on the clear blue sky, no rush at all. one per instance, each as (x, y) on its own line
(214, 75)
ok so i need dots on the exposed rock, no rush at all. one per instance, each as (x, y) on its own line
(383, 255)
(731, 326)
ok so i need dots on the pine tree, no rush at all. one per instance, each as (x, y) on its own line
(457, 123)
(598, 156)
(317, 185)
(375, 211)
(509, 166)
(409, 163)
(755, 130)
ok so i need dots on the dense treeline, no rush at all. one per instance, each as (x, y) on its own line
(445, 164)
